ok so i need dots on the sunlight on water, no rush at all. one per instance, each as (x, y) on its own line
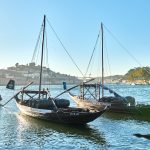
(107, 132)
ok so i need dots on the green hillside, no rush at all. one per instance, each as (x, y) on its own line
(140, 73)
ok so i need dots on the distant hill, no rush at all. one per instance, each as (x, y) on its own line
(140, 73)
(114, 77)
(22, 74)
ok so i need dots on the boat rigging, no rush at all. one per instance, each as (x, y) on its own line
(40, 104)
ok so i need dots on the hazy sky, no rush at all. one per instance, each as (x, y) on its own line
(77, 22)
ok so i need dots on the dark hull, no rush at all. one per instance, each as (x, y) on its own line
(119, 109)
(71, 118)
(139, 112)
(67, 115)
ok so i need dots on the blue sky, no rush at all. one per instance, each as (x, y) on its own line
(77, 22)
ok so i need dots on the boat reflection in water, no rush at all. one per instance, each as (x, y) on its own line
(55, 132)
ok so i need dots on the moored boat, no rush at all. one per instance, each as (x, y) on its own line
(40, 104)
(118, 106)
(92, 96)
(44, 109)
(86, 103)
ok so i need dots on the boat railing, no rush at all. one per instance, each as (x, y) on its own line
(32, 94)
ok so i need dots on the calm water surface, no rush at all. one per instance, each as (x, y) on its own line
(21, 132)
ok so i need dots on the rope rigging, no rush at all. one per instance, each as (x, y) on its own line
(107, 56)
(64, 47)
(125, 49)
(37, 44)
(92, 55)
(36, 52)
(37, 49)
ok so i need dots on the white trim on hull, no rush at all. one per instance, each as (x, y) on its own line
(33, 112)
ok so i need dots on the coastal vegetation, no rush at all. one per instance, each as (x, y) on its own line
(140, 75)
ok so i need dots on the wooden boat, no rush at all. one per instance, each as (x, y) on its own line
(94, 101)
(119, 107)
(58, 112)
(115, 103)
(39, 103)
(89, 98)
(91, 104)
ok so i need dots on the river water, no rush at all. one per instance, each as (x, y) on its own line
(22, 132)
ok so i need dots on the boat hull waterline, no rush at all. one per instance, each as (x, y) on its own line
(68, 115)
(138, 112)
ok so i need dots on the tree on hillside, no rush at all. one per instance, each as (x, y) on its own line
(140, 73)
(17, 64)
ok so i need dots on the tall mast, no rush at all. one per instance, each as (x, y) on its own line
(42, 55)
(102, 62)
